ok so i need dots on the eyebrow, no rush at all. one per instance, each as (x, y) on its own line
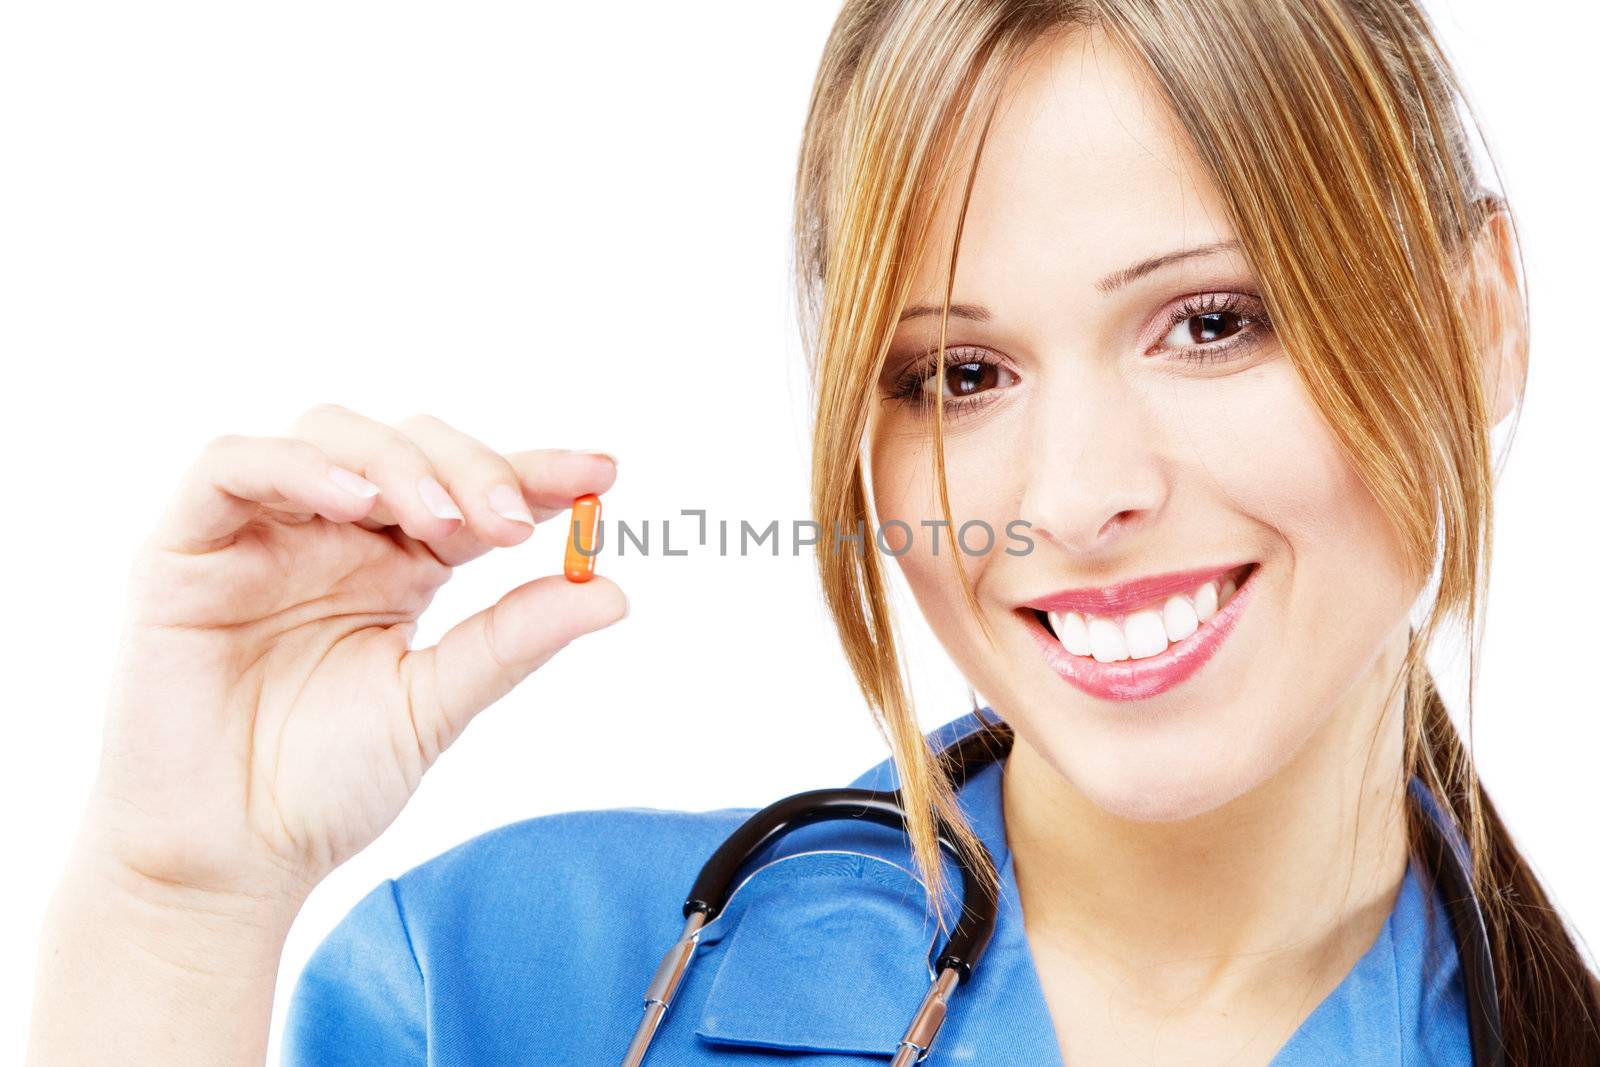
(1128, 275)
(975, 312)
(1110, 283)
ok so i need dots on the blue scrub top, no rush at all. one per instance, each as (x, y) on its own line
(533, 944)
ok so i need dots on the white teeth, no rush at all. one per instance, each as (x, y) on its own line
(1072, 631)
(1106, 641)
(1143, 633)
(1179, 618)
(1146, 634)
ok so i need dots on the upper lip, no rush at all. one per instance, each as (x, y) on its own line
(1133, 593)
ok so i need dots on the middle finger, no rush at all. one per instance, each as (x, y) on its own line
(480, 479)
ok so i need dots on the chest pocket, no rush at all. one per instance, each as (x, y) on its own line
(823, 952)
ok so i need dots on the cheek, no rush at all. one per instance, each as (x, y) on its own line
(1264, 453)
(905, 490)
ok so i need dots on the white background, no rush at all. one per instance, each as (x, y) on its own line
(566, 225)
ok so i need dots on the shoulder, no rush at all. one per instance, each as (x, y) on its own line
(576, 886)
(429, 960)
(614, 852)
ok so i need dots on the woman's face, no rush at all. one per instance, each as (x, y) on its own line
(1136, 411)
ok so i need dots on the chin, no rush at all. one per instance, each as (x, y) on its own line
(1158, 782)
(1166, 802)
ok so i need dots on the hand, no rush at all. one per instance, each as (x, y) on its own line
(268, 719)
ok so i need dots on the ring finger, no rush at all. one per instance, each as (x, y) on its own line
(411, 495)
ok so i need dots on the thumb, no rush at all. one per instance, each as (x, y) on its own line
(483, 657)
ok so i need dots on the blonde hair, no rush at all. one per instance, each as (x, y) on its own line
(1334, 130)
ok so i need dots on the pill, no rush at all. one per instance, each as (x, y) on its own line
(583, 540)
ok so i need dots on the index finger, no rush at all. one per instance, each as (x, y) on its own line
(553, 477)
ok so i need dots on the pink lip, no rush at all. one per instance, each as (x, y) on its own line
(1125, 596)
(1139, 679)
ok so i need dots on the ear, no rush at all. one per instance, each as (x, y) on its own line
(1502, 315)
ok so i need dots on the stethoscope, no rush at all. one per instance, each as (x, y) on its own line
(979, 908)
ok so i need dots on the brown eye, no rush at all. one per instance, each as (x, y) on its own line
(971, 378)
(964, 379)
(1216, 327)
(1205, 328)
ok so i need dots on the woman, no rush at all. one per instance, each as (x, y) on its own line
(1204, 305)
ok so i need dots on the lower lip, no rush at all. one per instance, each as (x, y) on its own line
(1139, 679)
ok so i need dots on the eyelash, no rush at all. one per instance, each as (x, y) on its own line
(910, 389)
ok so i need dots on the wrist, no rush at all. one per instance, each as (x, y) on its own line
(139, 972)
(228, 933)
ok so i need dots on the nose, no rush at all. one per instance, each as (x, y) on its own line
(1093, 469)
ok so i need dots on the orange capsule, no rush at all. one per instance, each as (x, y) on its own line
(583, 538)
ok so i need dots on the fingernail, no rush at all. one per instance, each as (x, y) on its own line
(351, 482)
(508, 502)
(437, 500)
(596, 452)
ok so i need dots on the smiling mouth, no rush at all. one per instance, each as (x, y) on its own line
(1149, 630)
(1133, 657)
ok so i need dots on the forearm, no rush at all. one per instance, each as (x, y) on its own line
(135, 974)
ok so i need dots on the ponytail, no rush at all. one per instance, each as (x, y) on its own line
(1549, 997)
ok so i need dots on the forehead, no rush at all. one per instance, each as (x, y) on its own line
(1085, 170)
